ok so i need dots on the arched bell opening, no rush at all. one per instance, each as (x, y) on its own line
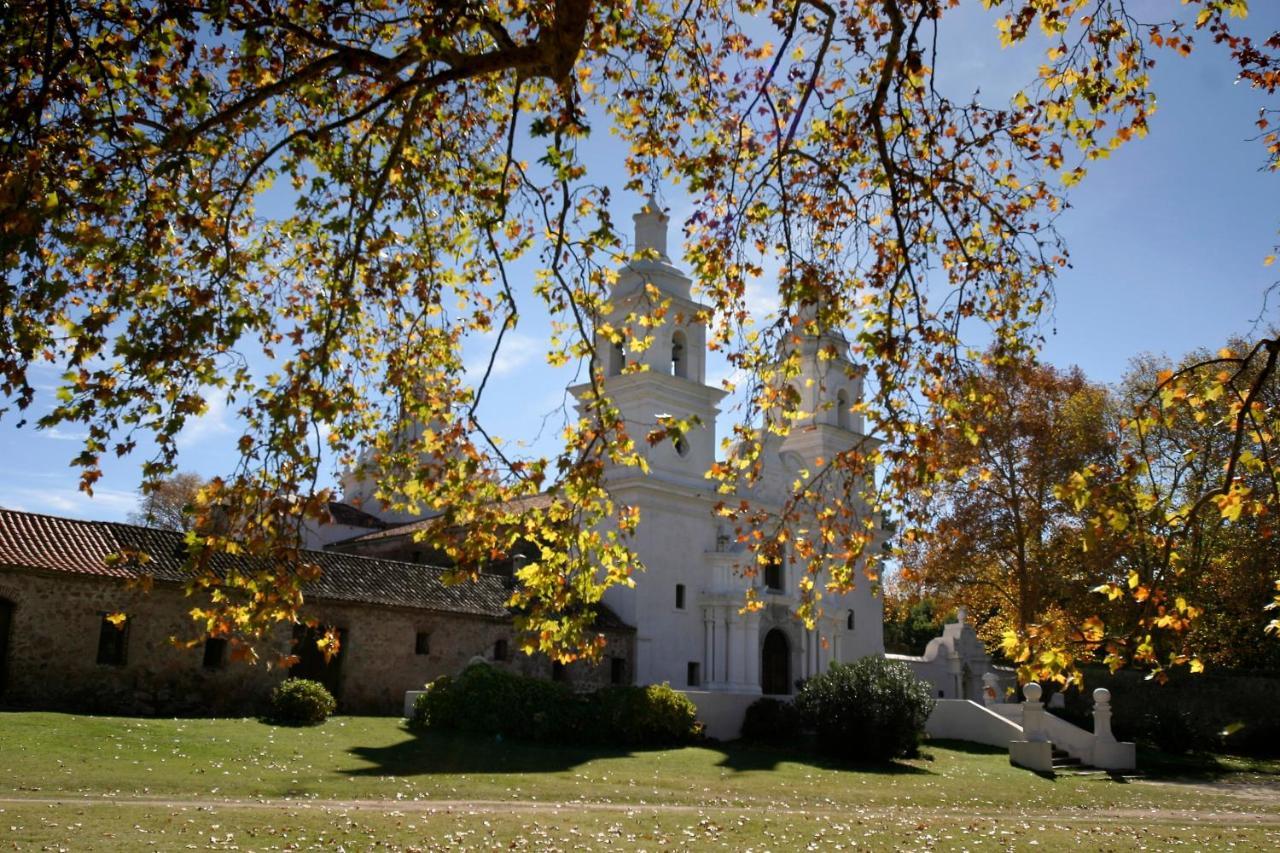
(679, 355)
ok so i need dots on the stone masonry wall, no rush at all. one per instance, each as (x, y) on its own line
(53, 649)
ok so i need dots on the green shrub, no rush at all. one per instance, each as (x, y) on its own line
(771, 720)
(486, 700)
(437, 708)
(301, 701)
(654, 715)
(873, 709)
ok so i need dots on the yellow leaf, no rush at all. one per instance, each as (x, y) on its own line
(118, 619)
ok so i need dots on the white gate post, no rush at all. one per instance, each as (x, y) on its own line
(1102, 715)
(1033, 713)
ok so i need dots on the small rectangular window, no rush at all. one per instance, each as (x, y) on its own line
(113, 640)
(617, 670)
(500, 650)
(559, 672)
(694, 675)
(679, 596)
(773, 575)
(422, 643)
(215, 653)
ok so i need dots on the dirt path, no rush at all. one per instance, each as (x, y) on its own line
(479, 807)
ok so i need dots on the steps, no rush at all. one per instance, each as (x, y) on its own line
(1063, 761)
(1065, 764)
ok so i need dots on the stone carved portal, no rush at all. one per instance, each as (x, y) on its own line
(6, 622)
(775, 668)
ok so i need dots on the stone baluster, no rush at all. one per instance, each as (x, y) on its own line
(1102, 715)
(1033, 713)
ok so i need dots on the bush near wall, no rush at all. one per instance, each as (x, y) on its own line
(486, 700)
(301, 702)
(1214, 711)
(772, 721)
(874, 709)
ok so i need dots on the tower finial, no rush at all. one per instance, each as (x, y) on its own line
(651, 228)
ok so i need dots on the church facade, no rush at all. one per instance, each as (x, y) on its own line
(686, 609)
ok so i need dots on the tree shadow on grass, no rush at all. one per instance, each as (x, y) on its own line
(965, 746)
(433, 752)
(1200, 767)
(457, 752)
(742, 756)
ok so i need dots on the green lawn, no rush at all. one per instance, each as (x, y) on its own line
(117, 783)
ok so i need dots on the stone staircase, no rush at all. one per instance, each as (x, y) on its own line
(1035, 739)
(1063, 760)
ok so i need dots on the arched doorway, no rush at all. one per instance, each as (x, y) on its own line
(6, 623)
(775, 663)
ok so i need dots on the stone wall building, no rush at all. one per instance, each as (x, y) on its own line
(401, 626)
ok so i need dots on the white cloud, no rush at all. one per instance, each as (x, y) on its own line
(517, 352)
(215, 421)
(58, 435)
(105, 504)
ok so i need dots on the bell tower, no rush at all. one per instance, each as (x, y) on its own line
(660, 368)
(829, 387)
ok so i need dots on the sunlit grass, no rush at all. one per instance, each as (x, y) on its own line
(115, 783)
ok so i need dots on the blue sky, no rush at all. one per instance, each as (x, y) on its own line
(1167, 242)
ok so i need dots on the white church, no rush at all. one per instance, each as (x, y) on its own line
(686, 609)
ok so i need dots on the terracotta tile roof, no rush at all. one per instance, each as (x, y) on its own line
(49, 543)
(354, 516)
(518, 505)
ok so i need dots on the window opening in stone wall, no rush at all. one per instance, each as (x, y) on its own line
(842, 410)
(617, 670)
(113, 641)
(215, 653)
(773, 575)
(848, 622)
(679, 596)
(559, 672)
(617, 359)
(679, 359)
(422, 643)
(500, 650)
(694, 675)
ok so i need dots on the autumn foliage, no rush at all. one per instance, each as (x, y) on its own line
(426, 147)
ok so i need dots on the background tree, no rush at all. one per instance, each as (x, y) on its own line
(995, 538)
(911, 619)
(167, 503)
(1187, 504)
(429, 145)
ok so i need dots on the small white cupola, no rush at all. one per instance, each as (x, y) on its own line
(651, 229)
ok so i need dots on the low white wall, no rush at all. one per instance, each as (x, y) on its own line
(410, 698)
(722, 712)
(962, 719)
